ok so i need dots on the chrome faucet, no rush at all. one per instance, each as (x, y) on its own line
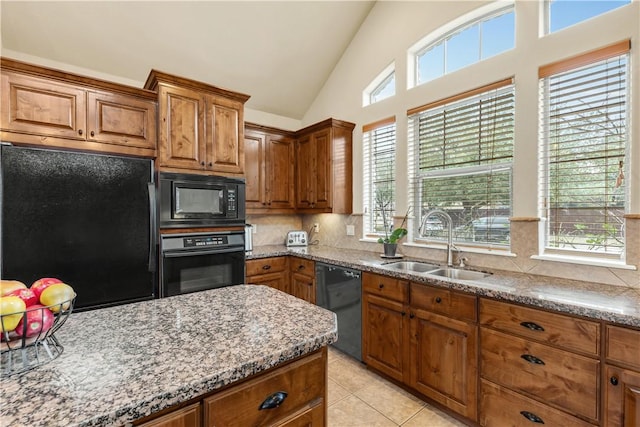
(447, 217)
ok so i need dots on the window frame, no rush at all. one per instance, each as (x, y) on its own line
(368, 181)
(377, 83)
(499, 89)
(546, 13)
(576, 63)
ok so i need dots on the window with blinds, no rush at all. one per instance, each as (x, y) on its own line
(583, 151)
(379, 150)
(462, 163)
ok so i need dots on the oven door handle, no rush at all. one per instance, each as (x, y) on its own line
(153, 242)
(177, 254)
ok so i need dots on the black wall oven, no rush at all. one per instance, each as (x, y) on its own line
(192, 262)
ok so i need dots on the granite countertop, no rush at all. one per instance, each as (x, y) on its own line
(126, 362)
(594, 300)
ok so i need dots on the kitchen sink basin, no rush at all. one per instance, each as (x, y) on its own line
(456, 273)
(427, 269)
(414, 267)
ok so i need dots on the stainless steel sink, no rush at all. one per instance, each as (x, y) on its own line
(455, 273)
(411, 266)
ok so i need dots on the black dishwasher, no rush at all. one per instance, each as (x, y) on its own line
(339, 289)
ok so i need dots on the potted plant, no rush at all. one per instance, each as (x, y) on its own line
(391, 236)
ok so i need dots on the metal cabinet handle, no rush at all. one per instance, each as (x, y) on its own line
(381, 285)
(532, 326)
(438, 300)
(411, 315)
(613, 380)
(532, 359)
(202, 163)
(80, 132)
(266, 267)
(210, 164)
(301, 267)
(273, 401)
(532, 417)
(403, 313)
(93, 133)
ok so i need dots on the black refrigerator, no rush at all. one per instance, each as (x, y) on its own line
(86, 219)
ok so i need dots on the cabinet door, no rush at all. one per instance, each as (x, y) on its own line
(181, 133)
(311, 417)
(305, 172)
(41, 107)
(274, 280)
(254, 163)
(225, 135)
(443, 361)
(622, 398)
(385, 332)
(279, 169)
(121, 119)
(322, 142)
(185, 417)
(302, 286)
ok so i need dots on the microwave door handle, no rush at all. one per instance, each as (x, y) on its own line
(196, 253)
(152, 226)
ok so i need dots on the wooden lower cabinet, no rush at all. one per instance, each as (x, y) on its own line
(293, 395)
(303, 280)
(281, 397)
(191, 416)
(621, 382)
(271, 272)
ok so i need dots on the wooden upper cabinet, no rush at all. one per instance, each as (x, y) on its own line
(201, 126)
(50, 108)
(269, 169)
(324, 167)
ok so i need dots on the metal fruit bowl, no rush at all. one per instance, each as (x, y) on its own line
(21, 353)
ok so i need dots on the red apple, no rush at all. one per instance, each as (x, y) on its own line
(27, 295)
(39, 320)
(41, 284)
(7, 286)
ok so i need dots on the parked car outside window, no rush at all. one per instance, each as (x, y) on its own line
(491, 229)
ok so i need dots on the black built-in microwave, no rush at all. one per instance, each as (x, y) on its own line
(189, 200)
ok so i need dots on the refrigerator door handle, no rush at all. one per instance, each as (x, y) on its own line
(152, 226)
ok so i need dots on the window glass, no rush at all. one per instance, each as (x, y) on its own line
(379, 178)
(584, 138)
(385, 89)
(463, 165)
(564, 13)
(478, 39)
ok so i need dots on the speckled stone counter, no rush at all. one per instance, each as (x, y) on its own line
(594, 300)
(123, 363)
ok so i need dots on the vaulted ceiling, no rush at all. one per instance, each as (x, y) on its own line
(279, 52)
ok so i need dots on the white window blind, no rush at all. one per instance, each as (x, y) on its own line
(463, 149)
(379, 150)
(583, 152)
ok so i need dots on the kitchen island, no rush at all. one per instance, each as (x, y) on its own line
(127, 362)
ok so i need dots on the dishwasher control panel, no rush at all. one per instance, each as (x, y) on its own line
(297, 238)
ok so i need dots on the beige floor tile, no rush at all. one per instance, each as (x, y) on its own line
(353, 412)
(336, 392)
(352, 375)
(334, 354)
(393, 402)
(432, 418)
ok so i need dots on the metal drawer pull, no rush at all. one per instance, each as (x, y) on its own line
(613, 380)
(266, 267)
(532, 417)
(532, 326)
(532, 359)
(273, 401)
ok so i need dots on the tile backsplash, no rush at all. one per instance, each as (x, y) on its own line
(272, 229)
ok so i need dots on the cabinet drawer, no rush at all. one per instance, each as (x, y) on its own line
(557, 329)
(623, 346)
(302, 380)
(444, 301)
(302, 266)
(184, 417)
(384, 286)
(266, 265)
(555, 376)
(501, 407)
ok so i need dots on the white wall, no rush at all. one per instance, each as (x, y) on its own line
(392, 27)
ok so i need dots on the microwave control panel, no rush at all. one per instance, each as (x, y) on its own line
(231, 200)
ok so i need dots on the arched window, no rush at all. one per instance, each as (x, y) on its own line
(479, 35)
(382, 87)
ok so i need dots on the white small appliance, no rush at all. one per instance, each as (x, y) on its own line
(297, 238)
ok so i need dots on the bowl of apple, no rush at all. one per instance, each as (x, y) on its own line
(29, 318)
